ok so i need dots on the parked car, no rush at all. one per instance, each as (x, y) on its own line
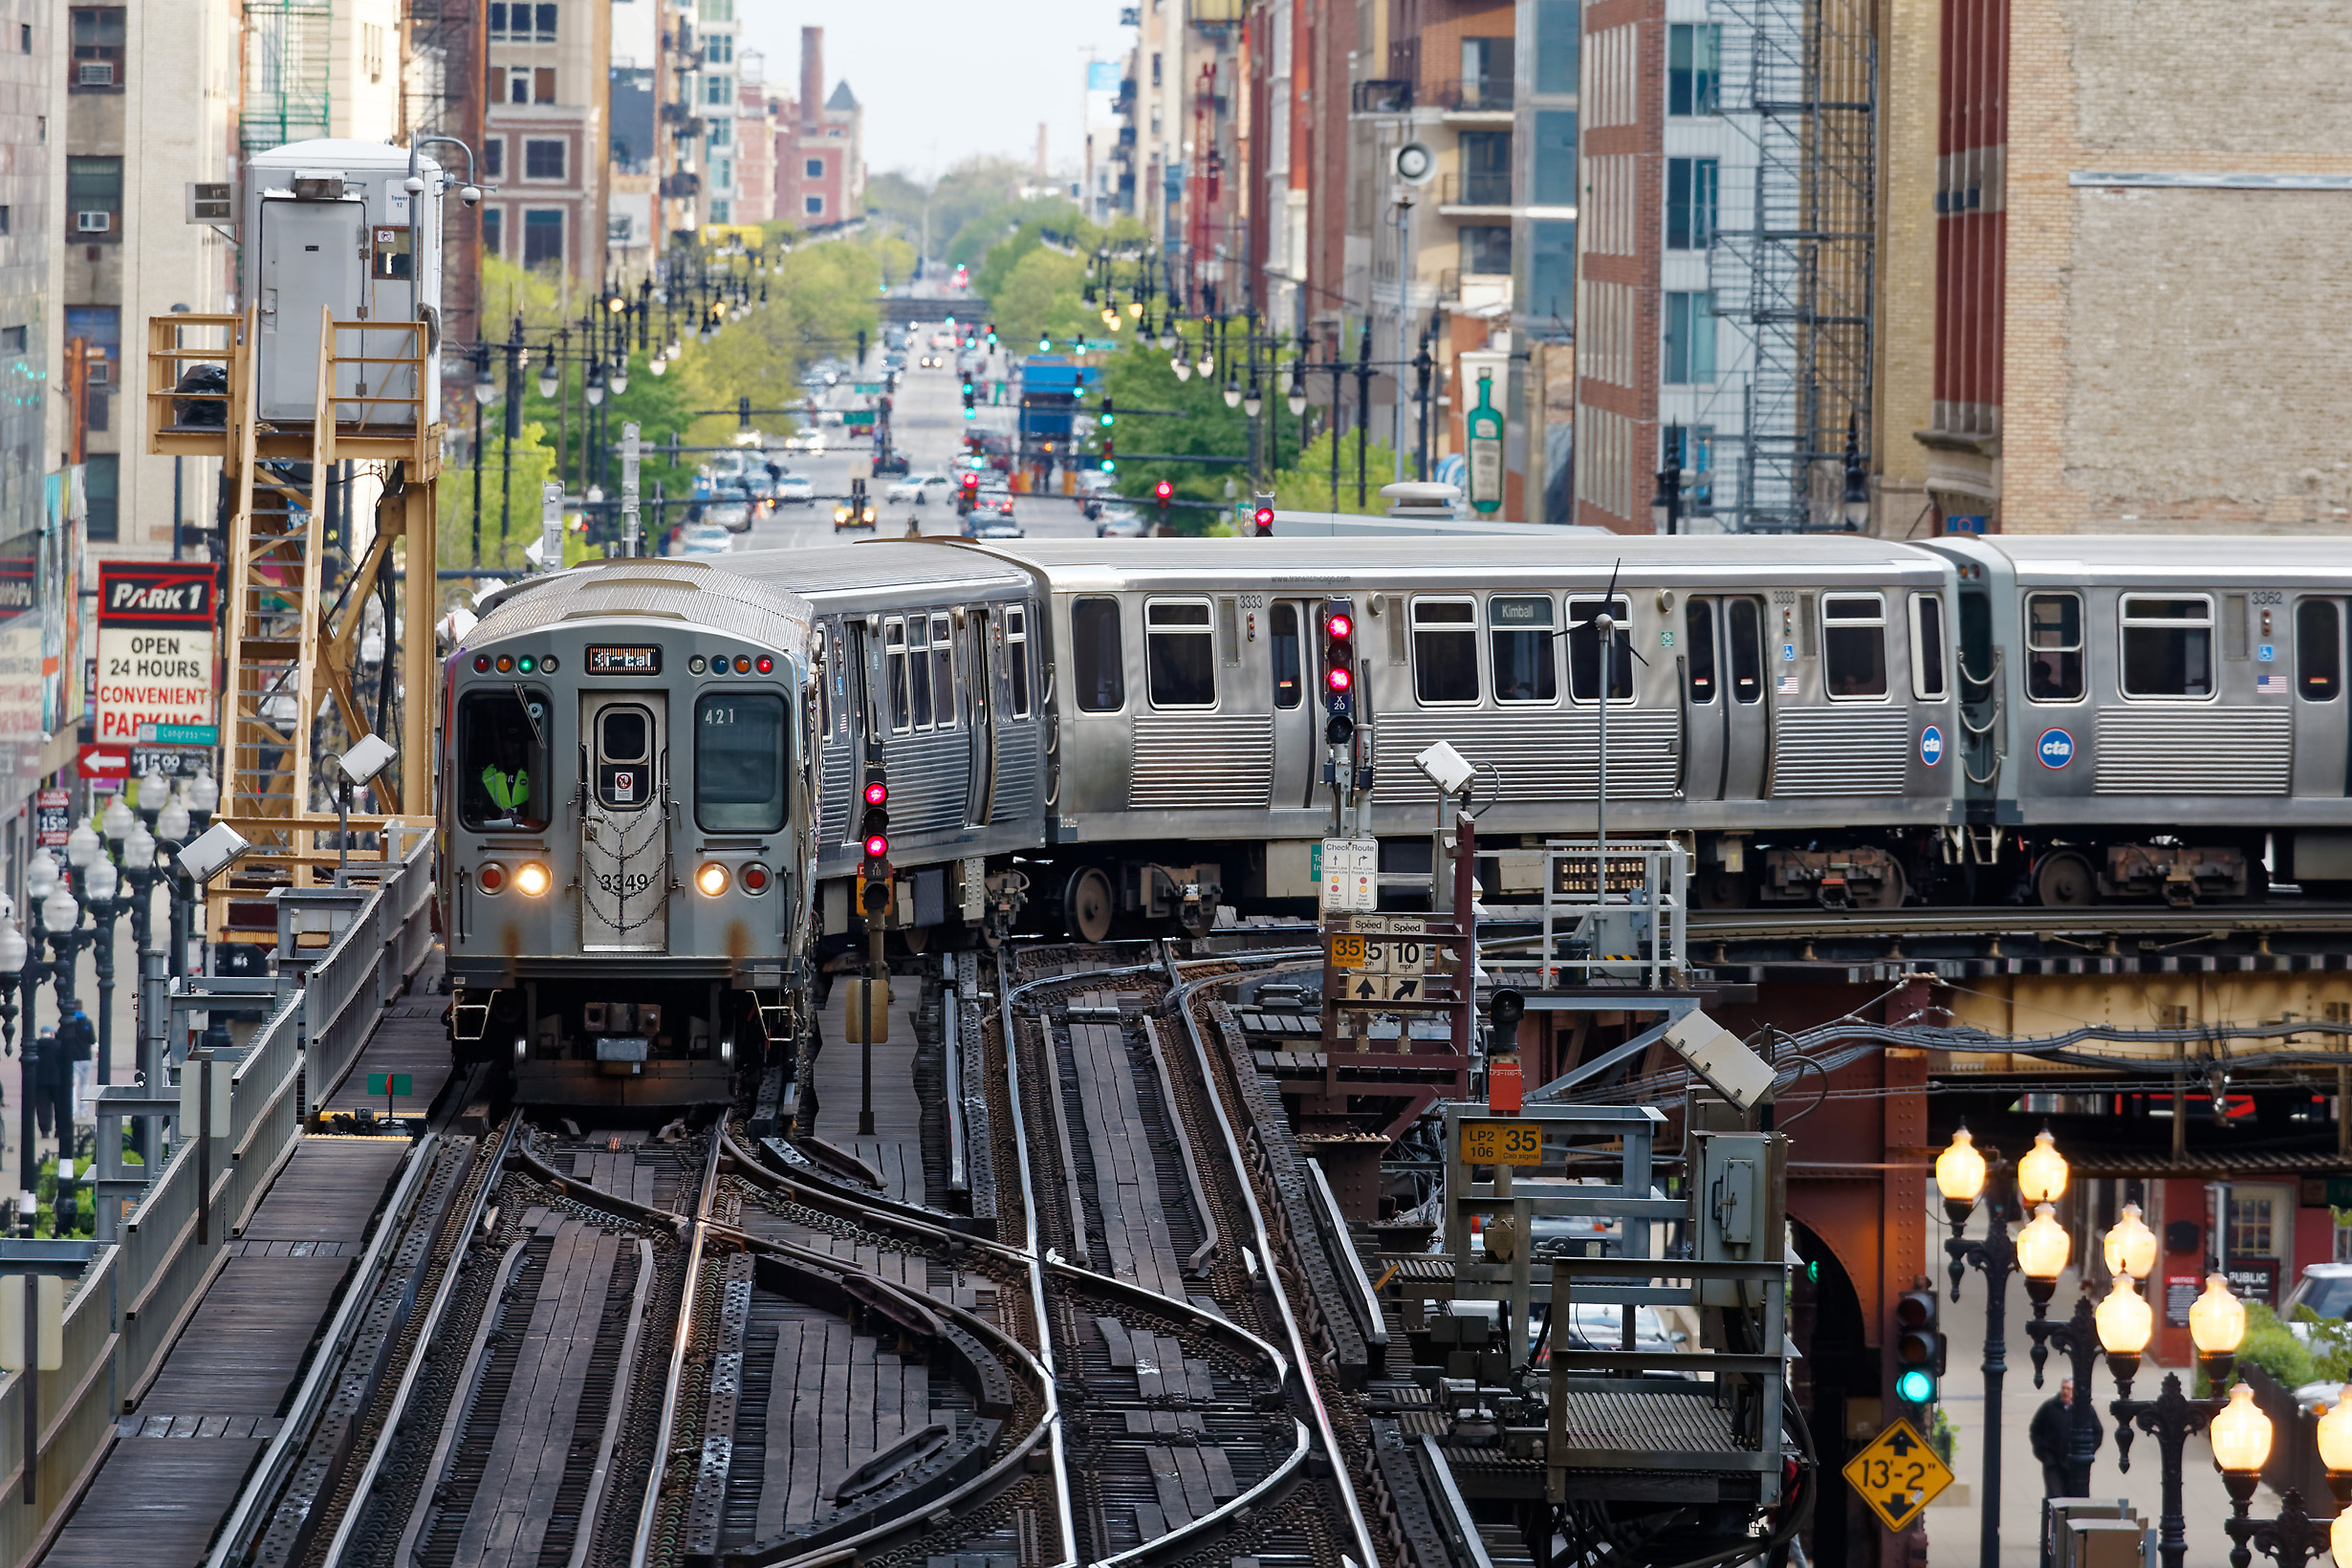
(732, 514)
(2325, 1287)
(704, 538)
(918, 489)
(794, 489)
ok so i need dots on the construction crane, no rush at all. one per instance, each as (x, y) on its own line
(334, 362)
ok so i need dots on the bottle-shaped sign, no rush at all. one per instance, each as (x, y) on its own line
(1485, 425)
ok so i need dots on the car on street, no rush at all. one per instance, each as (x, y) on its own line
(732, 514)
(845, 516)
(918, 488)
(794, 489)
(2325, 1287)
(806, 438)
(704, 538)
(1000, 527)
(1122, 523)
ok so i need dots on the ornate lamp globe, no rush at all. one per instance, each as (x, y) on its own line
(1233, 394)
(2340, 1537)
(171, 822)
(1960, 1176)
(153, 791)
(2043, 1250)
(1205, 365)
(204, 794)
(117, 820)
(2240, 1434)
(2041, 1175)
(2217, 1324)
(2334, 1429)
(59, 912)
(1252, 401)
(139, 849)
(1181, 366)
(2126, 1322)
(2130, 1245)
(13, 947)
(103, 880)
(41, 875)
(82, 846)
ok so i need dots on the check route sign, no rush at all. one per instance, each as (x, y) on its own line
(1897, 1475)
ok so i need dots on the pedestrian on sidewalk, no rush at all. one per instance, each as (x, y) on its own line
(2052, 1435)
(77, 1036)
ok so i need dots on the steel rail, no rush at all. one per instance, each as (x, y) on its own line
(1180, 998)
(425, 1338)
(648, 1515)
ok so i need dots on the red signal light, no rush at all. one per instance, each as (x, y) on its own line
(1339, 625)
(1341, 678)
(877, 793)
(877, 846)
(1162, 489)
(765, 664)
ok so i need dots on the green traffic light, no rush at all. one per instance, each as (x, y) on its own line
(1916, 1386)
(1109, 467)
(1107, 418)
(969, 413)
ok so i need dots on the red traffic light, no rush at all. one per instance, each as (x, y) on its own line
(1263, 517)
(1341, 678)
(1162, 489)
(1339, 625)
(877, 793)
(877, 846)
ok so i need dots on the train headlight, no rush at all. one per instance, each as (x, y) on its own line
(710, 878)
(532, 880)
(491, 877)
(755, 878)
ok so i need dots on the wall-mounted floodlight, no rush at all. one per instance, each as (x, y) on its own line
(363, 761)
(1446, 768)
(1722, 1058)
(213, 851)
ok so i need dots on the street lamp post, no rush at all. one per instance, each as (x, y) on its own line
(1962, 1173)
(2124, 1324)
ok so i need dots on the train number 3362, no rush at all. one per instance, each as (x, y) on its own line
(635, 882)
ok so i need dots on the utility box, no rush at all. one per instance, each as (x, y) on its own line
(1739, 1211)
(330, 229)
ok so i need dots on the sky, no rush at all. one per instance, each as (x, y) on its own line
(944, 79)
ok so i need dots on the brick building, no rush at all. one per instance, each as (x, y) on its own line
(819, 144)
(547, 145)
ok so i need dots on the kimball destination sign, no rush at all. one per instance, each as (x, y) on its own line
(155, 650)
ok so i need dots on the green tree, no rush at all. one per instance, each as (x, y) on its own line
(1040, 296)
(1305, 484)
(1198, 424)
(509, 494)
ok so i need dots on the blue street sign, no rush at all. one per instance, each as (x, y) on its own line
(1931, 746)
(2056, 748)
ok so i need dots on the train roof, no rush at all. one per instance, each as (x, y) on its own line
(672, 590)
(1581, 558)
(2187, 560)
(829, 571)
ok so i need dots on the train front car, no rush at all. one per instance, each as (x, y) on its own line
(627, 843)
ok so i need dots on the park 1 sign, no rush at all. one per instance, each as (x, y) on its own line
(155, 641)
(1899, 1474)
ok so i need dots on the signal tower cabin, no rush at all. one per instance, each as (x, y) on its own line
(333, 361)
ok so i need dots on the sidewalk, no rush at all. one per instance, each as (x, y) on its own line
(1953, 1521)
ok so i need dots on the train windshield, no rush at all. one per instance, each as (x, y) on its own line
(502, 759)
(739, 762)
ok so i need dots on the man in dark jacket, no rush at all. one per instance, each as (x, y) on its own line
(2052, 1436)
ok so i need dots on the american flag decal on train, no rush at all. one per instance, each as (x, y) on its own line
(2270, 685)
(1786, 686)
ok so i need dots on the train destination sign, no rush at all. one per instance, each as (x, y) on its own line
(637, 661)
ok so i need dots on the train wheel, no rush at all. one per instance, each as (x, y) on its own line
(1086, 904)
(2064, 880)
(1888, 892)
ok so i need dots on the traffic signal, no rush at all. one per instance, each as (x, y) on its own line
(862, 348)
(874, 827)
(1162, 493)
(991, 335)
(967, 495)
(1106, 412)
(1339, 670)
(743, 413)
(1919, 1348)
(1262, 514)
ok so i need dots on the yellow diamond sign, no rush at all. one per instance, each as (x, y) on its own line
(1898, 1475)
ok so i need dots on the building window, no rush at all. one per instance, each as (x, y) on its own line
(523, 22)
(1486, 73)
(721, 132)
(720, 211)
(94, 196)
(1689, 338)
(371, 51)
(542, 237)
(718, 10)
(97, 48)
(1552, 267)
(4, 217)
(518, 86)
(14, 340)
(543, 84)
(1553, 170)
(102, 485)
(813, 205)
(813, 168)
(1485, 169)
(718, 91)
(494, 157)
(726, 173)
(1486, 248)
(719, 49)
(1694, 53)
(1690, 203)
(493, 232)
(1559, 28)
(542, 159)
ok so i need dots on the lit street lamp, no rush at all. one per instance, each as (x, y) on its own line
(2172, 1416)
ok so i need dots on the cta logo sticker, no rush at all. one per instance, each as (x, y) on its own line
(1931, 746)
(2056, 748)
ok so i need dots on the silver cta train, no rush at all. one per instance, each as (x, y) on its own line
(1129, 734)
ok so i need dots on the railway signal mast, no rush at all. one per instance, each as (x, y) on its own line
(869, 1006)
(1340, 770)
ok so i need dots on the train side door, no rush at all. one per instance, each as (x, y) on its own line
(1700, 663)
(1747, 706)
(982, 674)
(1294, 696)
(625, 823)
(2323, 736)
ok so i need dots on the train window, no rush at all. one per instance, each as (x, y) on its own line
(1699, 649)
(1177, 653)
(502, 759)
(919, 668)
(2319, 651)
(1854, 645)
(1584, 649)
(1094, 646)
(943, 673)
(1445, 650)
(2054, 641)
(739, 762)
(1927, 680)
(625, 761)
(1745, 626)
(1016, 658)
(1287, 678)
(1526, 670)
(894, 655)
(2168, 646)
